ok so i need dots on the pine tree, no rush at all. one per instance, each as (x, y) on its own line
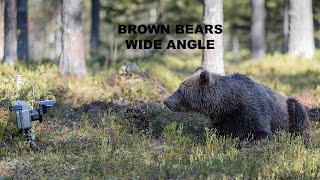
(22, 27)
(212, 59)
(72, 60)
(301, 33)
(258, 29)
(10, 27)
(1, 28)
(95, 25)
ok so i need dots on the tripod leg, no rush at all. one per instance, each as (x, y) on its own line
(31, 141)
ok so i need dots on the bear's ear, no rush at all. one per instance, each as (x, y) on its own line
(199, 69)
(204, 77)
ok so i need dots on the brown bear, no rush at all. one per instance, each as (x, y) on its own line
(237, 106)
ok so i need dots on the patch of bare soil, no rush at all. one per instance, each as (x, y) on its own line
(307, 99)
(310, 102)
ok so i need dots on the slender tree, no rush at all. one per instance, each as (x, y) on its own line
(54, 50)
(22, 27)
(212, 59)
(301, 32)
(235, 47)
(316, 20)
(10, 27)
(258, 29)
(72, 60)
(161, 19)
(1, 28)
(285, 26)
(95, 21)
(58, 31)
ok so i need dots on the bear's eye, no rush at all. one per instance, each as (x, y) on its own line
(185, 85)
(181, 88)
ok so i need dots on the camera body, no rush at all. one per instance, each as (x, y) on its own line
(25, 115)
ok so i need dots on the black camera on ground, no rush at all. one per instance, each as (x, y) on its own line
(25, 115)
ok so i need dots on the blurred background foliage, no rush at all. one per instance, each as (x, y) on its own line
(44, 29)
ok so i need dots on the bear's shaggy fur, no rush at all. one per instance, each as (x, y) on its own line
(238, 106)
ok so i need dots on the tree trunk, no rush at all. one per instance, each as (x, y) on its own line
(301, 34)
(22, 27)
(72, 60)
(95, 21)
(53, 33)
(285, 26)
(1, 28)
(212, 59)
(161, 19)
(58, 33)
(258, 29)
(152, 15)
(10, 27)
(235, 47)
(316, 21)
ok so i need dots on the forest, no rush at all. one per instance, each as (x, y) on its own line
(111, 66)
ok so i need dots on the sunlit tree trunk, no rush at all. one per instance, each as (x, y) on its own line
(301, 33)
(22, 27)
(10, 27)
(95, 21)
(258, 29)
(1, 28)
(212, 59)
(72, 60)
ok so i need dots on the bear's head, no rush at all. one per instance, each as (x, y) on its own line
(193, 93)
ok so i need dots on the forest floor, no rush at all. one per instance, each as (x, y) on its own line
(112, 124)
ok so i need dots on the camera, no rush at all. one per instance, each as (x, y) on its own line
(25, 115)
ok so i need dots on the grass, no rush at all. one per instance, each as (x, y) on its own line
(112, 125)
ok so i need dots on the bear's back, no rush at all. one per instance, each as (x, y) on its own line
(265, 102)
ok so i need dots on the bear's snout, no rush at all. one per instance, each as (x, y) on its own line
(166, 103)
(173, 102)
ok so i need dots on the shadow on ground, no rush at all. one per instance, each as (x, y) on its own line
(149, 119)
(144, 117)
